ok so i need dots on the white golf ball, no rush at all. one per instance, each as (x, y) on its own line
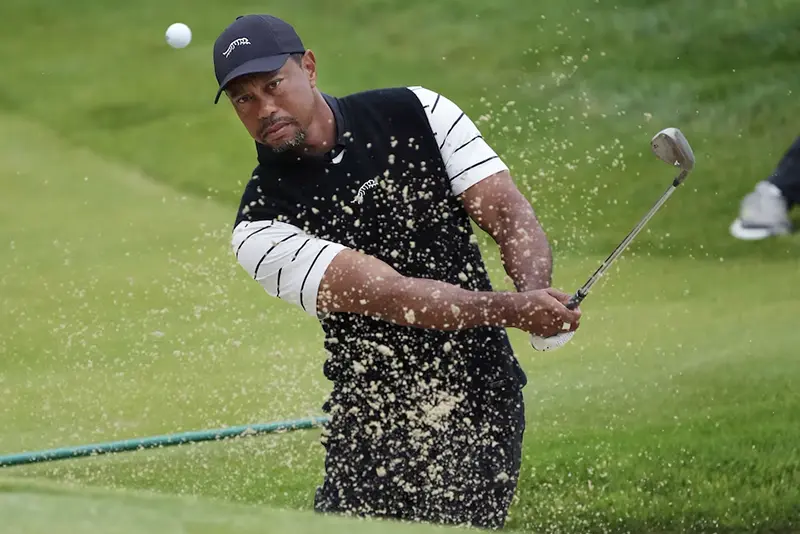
(179, 35)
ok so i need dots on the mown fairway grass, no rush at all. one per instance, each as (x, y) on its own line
(123, 314)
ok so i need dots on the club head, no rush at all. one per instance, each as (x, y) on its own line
(671, 146)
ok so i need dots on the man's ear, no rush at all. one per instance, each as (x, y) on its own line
(309, 65)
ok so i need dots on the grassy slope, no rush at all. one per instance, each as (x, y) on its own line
(39, 507)
(723, 73)
(124, 316)
(129, 319)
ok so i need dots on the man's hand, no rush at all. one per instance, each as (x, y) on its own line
(543, 312)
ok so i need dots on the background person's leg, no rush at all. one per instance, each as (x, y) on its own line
(764, 212)
(787, 175)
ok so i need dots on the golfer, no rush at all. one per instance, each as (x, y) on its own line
(359, 212)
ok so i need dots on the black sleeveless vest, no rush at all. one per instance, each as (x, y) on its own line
(389, 197)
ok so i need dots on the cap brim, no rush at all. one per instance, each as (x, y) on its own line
(258, 65)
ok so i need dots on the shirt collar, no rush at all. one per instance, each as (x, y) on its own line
(341, 126)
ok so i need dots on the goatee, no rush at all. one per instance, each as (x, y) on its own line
(296, 141)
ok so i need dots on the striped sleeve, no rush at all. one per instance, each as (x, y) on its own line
(285, 261)
(467, 156)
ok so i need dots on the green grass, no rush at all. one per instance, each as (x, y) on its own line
(35, 507)
(123, 313)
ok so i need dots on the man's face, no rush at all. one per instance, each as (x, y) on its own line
(277, 107)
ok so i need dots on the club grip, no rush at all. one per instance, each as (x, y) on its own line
(575, 300)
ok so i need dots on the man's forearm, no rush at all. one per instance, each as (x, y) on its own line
(431, 304)
(358, 283)
(524, 249)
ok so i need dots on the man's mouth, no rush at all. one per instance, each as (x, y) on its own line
(275, 128)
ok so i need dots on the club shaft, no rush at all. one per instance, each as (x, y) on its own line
(584, 290)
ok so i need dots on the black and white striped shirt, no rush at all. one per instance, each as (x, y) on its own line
(289, 261)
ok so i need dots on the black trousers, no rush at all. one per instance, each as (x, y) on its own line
(450, 458)
(786, 176)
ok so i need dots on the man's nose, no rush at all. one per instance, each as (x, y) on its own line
(266, 107)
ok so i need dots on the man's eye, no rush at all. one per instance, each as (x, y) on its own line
(242, 99)
(274, 84)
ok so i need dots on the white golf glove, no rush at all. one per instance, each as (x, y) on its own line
(551, 343)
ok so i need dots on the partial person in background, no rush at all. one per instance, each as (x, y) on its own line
(765, 211)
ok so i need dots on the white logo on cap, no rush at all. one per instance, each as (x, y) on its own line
(238, 42)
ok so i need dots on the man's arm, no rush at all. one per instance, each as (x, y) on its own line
(481, 179)
(502, 211)
(322, 276)
(359, 283)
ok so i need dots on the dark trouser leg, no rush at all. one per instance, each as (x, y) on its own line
(457, 467)
(787, 174)
(491, 474)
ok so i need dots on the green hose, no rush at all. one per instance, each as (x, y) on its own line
(167, 440)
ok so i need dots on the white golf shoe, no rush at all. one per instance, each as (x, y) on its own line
(763, 213)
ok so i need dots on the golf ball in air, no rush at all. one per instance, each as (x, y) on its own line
(179, 35)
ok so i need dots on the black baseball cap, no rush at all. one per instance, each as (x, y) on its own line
(253, 43)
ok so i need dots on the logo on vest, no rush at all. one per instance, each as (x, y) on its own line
(366, 186)
(238, 42)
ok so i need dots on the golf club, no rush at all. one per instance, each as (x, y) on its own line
(670, 146)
